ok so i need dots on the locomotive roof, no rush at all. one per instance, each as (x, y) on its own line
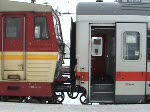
(114, 8)
(13, 6)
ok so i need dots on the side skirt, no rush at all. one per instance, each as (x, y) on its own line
(26, 89)
(129, 99)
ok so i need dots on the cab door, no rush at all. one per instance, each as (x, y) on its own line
(130, 62)
(13, 47)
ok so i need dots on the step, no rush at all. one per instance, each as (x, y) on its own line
(14, 100)
(102, 96)
(102, 88)
(66, 73)
(103, 92)
(108, 102)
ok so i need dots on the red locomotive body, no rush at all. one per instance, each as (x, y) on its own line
(31, 50)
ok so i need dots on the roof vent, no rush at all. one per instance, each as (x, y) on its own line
(130, 1)
(99, 0)
(145, 1)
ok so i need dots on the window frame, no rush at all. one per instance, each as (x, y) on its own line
(5, 26)
(47, 25)
(140, 52)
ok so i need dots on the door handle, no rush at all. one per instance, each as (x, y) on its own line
(131, 84)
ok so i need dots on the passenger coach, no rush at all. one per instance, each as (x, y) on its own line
(113, 51)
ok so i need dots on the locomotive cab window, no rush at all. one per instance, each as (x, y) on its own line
(131, 45)
(13, 27)
(41, 30)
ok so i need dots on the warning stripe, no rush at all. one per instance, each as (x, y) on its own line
(30, 57)
(43, 57)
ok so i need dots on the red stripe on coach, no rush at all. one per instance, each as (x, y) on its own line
(84, 76)
(131, 76)
(148, 76)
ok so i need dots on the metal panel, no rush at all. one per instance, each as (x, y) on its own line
(41, 66)
(130, 86)
(148, 88)
(26, 89)
(112, 8)
(148, 79)
(130, 99)
(82, 41)
(131, 65)
(13, 6)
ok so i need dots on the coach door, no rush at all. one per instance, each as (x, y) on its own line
(130, 62)
(13, 47)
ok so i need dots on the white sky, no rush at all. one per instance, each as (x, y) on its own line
(63, 5)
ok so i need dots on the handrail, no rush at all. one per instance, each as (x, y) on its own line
(61, 44)
(58, 20)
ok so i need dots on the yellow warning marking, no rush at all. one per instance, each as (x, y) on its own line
(42, 57)
(30, 57)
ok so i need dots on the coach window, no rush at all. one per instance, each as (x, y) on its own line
(13, 27)
(41, 28)
(131, 45)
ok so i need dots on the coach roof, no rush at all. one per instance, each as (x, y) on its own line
(13, 6)
(114, 8)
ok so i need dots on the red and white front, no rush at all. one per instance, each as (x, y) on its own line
(28, 54)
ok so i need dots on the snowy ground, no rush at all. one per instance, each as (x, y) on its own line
(24, 107)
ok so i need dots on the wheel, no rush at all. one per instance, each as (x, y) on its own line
(60, 99)
(72, 95)
(83, 99)
(60, 93)
(60, 96)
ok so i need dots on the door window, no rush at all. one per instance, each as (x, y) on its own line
(13, 27)
(131, 45)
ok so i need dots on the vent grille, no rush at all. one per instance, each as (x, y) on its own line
(136, 6)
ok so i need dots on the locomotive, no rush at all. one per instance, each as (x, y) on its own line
(31, 52)
(109, 53)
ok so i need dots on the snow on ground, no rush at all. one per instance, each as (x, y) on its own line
(68, 100)
(24, 107)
